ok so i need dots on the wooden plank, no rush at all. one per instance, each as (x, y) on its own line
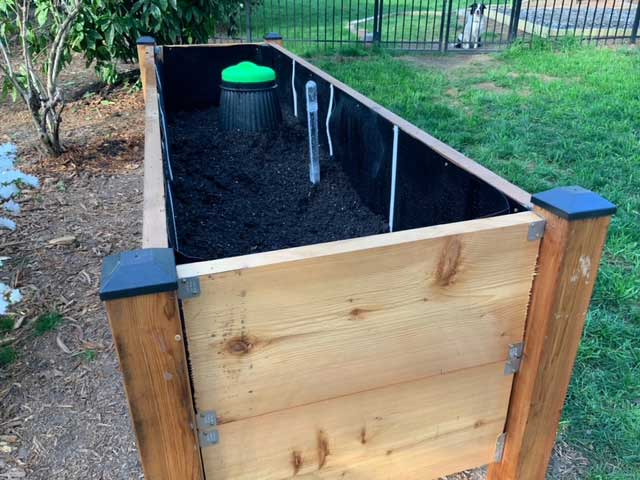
(141, 49)
(415, 430)
(273, 337)
(147, 333)
(154, 220)
(211, 267)
(229, 43)
(512, 191)
(568, 264)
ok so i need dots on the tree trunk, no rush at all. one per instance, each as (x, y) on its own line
(48, 121)
(53, 122)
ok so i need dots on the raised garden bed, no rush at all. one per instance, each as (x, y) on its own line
(298, 336)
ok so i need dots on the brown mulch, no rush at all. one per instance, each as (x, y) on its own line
(63, 412)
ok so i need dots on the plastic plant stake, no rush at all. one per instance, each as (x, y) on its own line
(394, 168)
(293, 89)
(312, 120)
(328, 119)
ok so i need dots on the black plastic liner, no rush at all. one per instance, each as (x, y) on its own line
(429, 189)
(250, 107)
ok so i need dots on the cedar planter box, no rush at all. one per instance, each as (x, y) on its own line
(397, 355)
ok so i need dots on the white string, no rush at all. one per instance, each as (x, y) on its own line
(328, 118)
(394, 164)
(293, 89)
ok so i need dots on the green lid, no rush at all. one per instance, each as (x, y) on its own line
(248, 72)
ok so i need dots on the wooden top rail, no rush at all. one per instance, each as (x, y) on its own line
(306, 252)
(154, 220)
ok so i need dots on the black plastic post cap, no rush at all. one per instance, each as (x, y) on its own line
(273, 36)
(574, 203)
(146, 41)
(138, 272)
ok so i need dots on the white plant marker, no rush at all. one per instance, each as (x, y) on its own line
(329, 118)
(394, 165)
(293, 89)
(312, 122)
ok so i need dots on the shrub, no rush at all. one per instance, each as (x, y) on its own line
(107, 30)
(34, 49)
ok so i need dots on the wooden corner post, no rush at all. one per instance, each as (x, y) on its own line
(273, 37)
(139, 291)
(570, 251)
(145, 48)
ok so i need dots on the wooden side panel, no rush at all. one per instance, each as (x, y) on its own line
(416, 430)
(278, 336)
(147, 333)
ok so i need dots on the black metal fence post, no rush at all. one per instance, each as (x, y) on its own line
(445, 45)
(636, 23)
(380, 17)
(442, 40)
(514, 21)
(248, 20)
(377, 21)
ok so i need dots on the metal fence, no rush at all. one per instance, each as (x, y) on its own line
(438, 25)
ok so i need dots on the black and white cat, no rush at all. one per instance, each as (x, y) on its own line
(474, 27)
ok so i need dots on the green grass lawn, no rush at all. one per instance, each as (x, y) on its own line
(544, 118)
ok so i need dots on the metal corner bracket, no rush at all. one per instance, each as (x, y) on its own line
(500, 442)
(188, 288)
(536, 229)
(514, 358)
(207, 431)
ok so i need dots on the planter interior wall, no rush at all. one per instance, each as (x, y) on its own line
(431, 189)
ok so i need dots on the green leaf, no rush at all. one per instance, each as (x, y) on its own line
(155, 12)
(111, 33)
(42, 14)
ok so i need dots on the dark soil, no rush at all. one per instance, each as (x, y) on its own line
(239, 193)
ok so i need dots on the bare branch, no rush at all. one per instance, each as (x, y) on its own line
(34, 84)
(45, 104)
(8, 70)
(58, 46)
(15, 83)
(7, 60)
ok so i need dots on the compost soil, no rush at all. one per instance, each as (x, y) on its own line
(241, 193)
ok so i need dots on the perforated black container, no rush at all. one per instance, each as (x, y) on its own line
(249, 107)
